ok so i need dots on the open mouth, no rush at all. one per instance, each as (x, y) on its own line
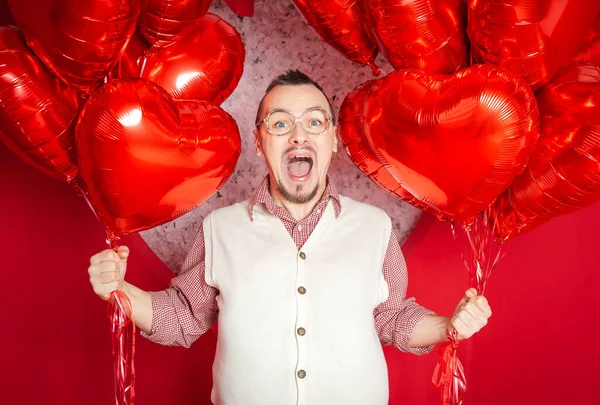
(299, 166)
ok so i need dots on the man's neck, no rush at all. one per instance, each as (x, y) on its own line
(297, 211)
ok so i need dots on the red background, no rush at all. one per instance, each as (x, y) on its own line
(539, 348)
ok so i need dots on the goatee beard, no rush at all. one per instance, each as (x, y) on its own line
(297, 198)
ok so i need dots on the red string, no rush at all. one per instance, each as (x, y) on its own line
(123, 347)
(123, 340)
(122, 327)
(449, 375)
(480, 256)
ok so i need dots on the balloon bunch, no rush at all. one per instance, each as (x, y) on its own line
(137, 126)
(130, 120)
(341, 24)
(424, 34)
(497, 147)
(532, 39)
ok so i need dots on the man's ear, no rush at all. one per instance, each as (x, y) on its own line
(257, 142)
(336, 135)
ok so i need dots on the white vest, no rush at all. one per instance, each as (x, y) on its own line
(262, 354)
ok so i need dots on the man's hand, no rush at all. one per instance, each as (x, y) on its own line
(471, 314)
(107, 274)
(107, 271)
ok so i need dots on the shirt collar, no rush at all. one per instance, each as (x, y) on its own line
(263, 196)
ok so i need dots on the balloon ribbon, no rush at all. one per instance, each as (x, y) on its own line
(123, 347)
(122, 327)
(449, 374)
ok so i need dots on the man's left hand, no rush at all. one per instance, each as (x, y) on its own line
(471, 314)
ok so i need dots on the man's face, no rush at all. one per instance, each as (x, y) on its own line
(298, 161)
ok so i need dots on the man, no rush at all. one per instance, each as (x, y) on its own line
(306, 284)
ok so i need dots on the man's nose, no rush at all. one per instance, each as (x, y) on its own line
(298, 134)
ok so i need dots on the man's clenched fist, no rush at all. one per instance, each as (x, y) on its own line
(107, 270)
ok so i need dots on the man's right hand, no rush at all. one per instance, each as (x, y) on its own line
(107, 271)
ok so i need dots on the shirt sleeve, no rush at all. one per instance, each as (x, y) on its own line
(188, 308)
(396, 318)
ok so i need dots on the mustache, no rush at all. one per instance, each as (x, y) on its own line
(302, 149)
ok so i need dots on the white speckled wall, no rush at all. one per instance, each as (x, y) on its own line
(277, 39)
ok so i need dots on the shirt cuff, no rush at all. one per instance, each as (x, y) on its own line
(161, 307)
(413, 315)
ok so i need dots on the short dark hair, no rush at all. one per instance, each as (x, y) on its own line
(293, 78)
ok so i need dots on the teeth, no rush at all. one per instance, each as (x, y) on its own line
(300, 159)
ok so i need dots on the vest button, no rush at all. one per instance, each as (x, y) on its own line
(301, 373)
(302, 290)
(301, 331)
(302, 255)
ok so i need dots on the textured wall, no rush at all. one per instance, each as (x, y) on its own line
(277, 39)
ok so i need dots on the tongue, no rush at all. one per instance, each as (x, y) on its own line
(299, 169)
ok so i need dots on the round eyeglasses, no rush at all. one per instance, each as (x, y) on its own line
(281, 122)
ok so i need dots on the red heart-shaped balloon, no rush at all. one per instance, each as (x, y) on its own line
(164, 22)
(147, 159)
(356, 143)
(590, 51)
(343, 25)
(425, 34)
(80, 41)
(453, 142)
(38, 112)
(532, 38)
(563, 173)
(207, 64)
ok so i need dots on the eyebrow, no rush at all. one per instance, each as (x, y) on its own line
(279, 109)
(314, 107)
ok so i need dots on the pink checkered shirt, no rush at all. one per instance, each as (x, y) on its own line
(186, 310)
